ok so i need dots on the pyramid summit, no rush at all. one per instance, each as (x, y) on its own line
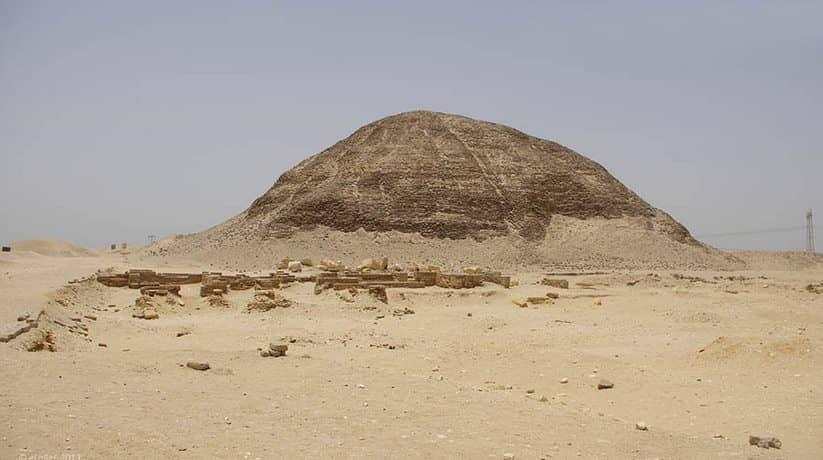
(448, 176)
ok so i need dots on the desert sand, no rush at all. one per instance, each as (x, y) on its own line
(701, 359)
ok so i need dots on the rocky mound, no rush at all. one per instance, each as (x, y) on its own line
(447, 176)
(429, 187)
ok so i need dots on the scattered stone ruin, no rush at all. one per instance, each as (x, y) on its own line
(368, 277)
(152, 283)
(416, 279)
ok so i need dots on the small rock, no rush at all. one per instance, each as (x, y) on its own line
(361, 386)
(561, 284)
(508, 456)
(765, 442)
(530, 391)
(265, 353)
(182, 333)
(150, 314)
(543, 398)
(537, 300)
(101, 344)
(198, 365)
(564, 380)
(604, 385)
(641, 426)
(278, 350)
(91, 317)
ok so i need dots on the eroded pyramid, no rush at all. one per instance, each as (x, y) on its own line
(445, 175)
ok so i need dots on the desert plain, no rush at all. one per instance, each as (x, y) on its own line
(699, 361)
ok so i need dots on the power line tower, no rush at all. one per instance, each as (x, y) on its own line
(809, 232)
(152, 239)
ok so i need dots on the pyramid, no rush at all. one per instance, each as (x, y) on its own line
(447, 176)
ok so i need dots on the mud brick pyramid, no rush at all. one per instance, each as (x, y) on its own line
(444, 175)
(451, 191)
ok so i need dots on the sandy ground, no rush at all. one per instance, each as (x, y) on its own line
(703, 362)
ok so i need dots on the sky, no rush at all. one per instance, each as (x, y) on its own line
(120, 120)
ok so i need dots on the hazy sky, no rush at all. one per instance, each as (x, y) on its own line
(123, 119)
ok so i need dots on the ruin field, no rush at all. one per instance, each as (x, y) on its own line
(395, 363)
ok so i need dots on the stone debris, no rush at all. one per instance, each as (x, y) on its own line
(379, 293)
(538, 300)
(691, 279)
(198, 365)
(327, 265)
(14, 330)
(381, 264)
(143, 302)
(564, 380)
(641, 426)
(40, 340)
(458, 280)
(402, 311)
(275, 350)
(217, 300)
(557, 283)
(284, 263)
(150, 314)
(160, 290)
(508, 456)
(265, 300)
(295, 266)
(522, 303)
(152, 283)
(363, 280)
(136, 279)
(368, 276)
(765, 442)
(604, 384)
(815, 288)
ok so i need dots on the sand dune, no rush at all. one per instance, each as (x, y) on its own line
(52, 248)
